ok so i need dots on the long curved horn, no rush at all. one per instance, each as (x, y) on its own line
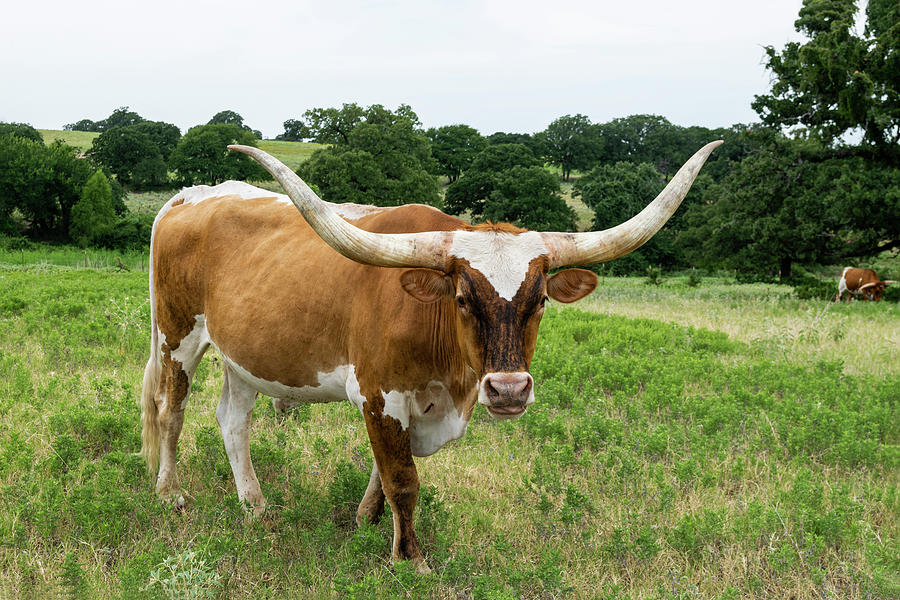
(428, 249)
(569, 249)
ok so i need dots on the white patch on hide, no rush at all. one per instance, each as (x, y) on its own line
(430, 415)
(332, 386)
(503, 258)
(396, 405)
(193, 343)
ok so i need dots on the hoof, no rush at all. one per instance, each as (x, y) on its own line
(370, 517)
(175, 501)
(422, 568)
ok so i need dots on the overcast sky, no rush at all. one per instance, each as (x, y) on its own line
(497, 65)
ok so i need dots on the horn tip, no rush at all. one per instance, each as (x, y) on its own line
(239, 148)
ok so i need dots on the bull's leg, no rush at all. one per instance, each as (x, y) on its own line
(399, 479)
(171, 398)
(372, 505)
(234, 415)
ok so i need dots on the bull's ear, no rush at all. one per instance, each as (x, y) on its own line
(570, 285)
(426, 285)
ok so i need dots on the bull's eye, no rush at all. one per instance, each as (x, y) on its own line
(461, 302)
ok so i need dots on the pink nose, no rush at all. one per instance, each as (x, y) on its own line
(507, 389)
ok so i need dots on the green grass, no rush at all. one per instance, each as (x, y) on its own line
(660, 461)
(80, 139)
(290, 153)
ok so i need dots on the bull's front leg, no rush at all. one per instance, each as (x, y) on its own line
(389, 436)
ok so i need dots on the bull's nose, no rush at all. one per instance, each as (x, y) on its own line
(507, 389)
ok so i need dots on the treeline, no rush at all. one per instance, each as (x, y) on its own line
(791, 189)
(55, 193)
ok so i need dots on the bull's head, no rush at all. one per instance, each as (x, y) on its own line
(494, 280)
(873, 291)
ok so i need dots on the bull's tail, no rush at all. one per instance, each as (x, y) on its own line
(149, 413)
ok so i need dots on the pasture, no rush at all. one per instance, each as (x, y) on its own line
(726, 441)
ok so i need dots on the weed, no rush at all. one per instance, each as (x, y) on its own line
(185, 576)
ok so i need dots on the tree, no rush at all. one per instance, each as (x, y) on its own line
(838, 81)
(22, 130)
(568, 143)
(121, 117)
(202, 155)
(385, 160)
(766, 215)
(474, 188)
(82, 125)
(165, 135)
(529, 197)
(454, 147)
(533, 142)
(616, 192)
(93, 214)
(329, 125)
(294, 131)
(499, 157)
(131, 155)
(229, 117)
(42, 183)
(506, 183)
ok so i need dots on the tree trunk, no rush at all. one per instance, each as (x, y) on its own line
(784, 269)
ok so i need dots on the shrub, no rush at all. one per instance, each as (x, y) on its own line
(93, 214)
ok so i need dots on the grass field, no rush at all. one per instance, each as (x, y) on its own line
(80, 139)
(661, 461)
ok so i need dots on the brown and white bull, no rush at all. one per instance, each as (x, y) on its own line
(412, 315)
(862, 283)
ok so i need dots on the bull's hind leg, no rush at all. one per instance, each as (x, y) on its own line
(234, 415)
(178, 368)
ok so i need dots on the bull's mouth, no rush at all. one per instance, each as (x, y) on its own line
(507, 412)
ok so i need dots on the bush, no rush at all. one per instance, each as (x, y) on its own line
(131, 232)
(92, 215)
(809, 287)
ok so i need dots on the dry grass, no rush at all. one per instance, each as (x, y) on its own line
(865, 337)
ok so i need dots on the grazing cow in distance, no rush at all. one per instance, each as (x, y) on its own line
(862, 283)
(412, 315)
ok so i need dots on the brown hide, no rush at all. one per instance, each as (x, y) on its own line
(283, 304)
(863, 282)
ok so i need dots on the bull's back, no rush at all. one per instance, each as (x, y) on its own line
(275, 299)
(855, 278)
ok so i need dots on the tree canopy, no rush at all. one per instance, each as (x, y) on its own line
(131, 155)
(229, 117)
(567, 144)
(202, 155)
(42, 182)
(454, 147)
(507, 183)
(616, 192)
(22, 130)
(383, 159)
(838, 81)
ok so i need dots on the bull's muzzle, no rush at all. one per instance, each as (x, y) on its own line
(506, 395)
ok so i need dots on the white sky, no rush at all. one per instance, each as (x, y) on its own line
(497, 65)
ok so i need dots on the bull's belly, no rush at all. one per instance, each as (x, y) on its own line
(331, 387)
(430, 414)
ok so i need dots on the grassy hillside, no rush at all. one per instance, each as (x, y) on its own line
(290, 153)
(660, 461)
(80, 139)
